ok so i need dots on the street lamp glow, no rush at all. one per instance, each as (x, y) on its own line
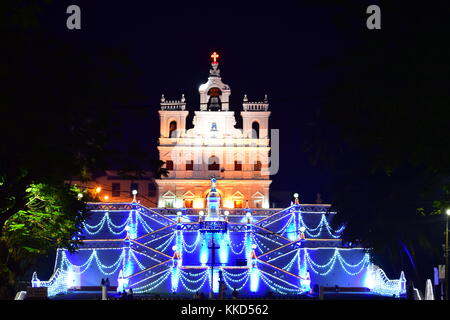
(80, 195)
(134, 192)
(447, 212)
(302, 229)
(179, 213)
(201, 213)
(296, 195)
(227, 213)
(174, 248)
(106, 198)
(98, 189)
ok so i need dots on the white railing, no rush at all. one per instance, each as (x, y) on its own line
(382, 285)
(255, 106)
(57, 283)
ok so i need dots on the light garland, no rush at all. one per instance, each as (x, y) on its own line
(190, 248)
(299, 258)
(146, 227)
(330, 264)
(146, 255)
(203, 279)
(153, 285)
(226, 278)
(107, 220)
(165, 235)
(101, 267)
(162, 247)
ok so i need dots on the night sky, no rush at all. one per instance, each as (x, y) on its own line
(289, 51)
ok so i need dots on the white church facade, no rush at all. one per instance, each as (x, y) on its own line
(238, 158)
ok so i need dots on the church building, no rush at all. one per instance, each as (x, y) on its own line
(238, 158)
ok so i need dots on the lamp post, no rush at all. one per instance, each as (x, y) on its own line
(446, 253)
(213, 247)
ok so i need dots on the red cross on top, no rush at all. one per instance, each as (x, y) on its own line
(214, 56)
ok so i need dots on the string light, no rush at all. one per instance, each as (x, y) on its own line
(297, 261)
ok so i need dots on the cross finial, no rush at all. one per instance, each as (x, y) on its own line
(214, 56)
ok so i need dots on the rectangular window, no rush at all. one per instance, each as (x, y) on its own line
(134, 186)
(151, 190)
(169, 165)
(237, 166)
(116, 189)
(190, 165)
(257, 166)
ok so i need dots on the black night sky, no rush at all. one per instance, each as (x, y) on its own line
(266, 48)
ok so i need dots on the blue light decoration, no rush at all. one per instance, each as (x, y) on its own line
(204, 252)
(197, 280)
(35, 282)
(291, 229)
(254, 272)
(121, 282)
(224, 247)
(215, 284)
(175, 272)
(284, 251)
(131, 227)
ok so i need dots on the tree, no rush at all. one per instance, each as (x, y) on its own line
(52, 218)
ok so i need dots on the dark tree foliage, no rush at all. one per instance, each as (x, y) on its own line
(57, 110)
(385, 131)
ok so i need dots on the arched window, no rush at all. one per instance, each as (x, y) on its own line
(255, 130)
(172, 129)
(213, 163)
(214, 102)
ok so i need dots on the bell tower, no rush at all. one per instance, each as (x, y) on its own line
(237, 158)
(172, 117)
(214, 94)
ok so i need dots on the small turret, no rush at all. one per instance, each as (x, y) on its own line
(213, 203)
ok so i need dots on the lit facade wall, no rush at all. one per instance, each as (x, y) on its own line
(241, 155)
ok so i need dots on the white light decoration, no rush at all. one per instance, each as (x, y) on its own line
(144, 224)
(190, 248)
(35, 282)
(238, 240)
(185, 281)
(382, 285)
(154, 284)
(134, 192)
(111, 226)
